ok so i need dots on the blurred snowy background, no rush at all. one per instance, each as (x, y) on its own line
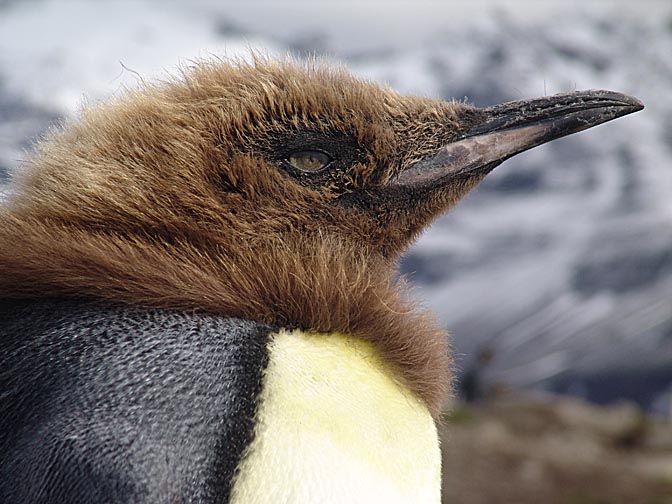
(561, 262)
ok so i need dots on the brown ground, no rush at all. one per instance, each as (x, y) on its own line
(553, 450)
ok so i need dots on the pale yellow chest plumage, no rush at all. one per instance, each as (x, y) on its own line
(333, 427)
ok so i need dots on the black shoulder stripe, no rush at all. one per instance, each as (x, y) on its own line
(113, 404)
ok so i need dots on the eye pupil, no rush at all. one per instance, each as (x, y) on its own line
(309, 160)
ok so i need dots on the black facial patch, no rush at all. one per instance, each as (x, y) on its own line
(342, 148)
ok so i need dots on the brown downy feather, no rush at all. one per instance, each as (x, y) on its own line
(170, 198)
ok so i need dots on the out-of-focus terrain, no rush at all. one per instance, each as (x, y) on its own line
(555, 450)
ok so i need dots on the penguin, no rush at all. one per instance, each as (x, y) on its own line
(199, 291)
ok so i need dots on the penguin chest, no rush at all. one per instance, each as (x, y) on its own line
(332, 426)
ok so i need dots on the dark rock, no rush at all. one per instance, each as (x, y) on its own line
(483, 92)
(228, 28)
(666, 131)
(497, 56)
(629, 199)
(518, 181)
(428, 268)
(598, 62)
(20, 124)
(621, 273)
(639, 385)
(307, 44)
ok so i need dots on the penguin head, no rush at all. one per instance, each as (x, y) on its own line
(272, 151)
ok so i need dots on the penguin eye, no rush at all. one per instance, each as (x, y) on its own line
(309, 160)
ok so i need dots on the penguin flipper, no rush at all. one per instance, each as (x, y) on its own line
(106, 403)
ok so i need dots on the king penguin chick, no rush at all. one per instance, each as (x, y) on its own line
(199, 299)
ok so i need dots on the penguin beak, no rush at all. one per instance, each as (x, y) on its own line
(510, 128)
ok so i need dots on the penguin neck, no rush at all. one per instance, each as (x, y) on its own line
(315, 284)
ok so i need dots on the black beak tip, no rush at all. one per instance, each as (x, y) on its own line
(614, 99)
